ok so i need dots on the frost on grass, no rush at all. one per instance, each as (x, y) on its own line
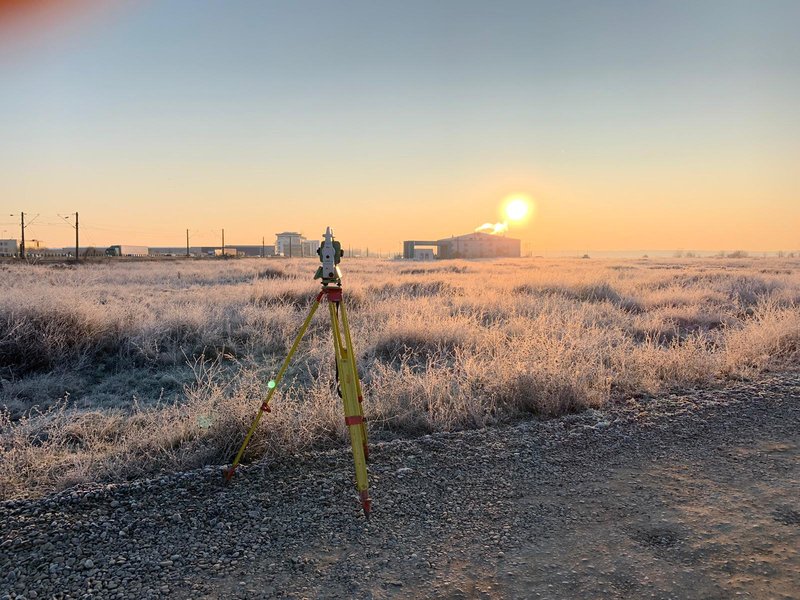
(115, 371)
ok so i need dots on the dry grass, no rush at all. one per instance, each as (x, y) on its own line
(116, 371)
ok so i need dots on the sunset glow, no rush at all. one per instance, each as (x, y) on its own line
(517, 208)
(388, 132)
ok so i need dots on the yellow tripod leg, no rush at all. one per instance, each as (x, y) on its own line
(349, 342)
(273, 385)
(352, 410)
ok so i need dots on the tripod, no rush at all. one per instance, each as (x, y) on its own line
(349, 386)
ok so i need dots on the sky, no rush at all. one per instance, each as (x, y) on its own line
(630, 124)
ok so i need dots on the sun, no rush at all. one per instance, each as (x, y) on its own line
(517, 208)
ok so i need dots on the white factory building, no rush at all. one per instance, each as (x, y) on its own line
(469, 245)
(292, 244)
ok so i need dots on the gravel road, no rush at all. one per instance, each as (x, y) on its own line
(690, 495)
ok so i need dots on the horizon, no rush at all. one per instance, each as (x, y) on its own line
(626, 125)
(359, 250)
(95, 239)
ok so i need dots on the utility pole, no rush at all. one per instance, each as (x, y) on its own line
(187, 243)
(22, 241)
(263, 251)
(75, 226)
(223, 243)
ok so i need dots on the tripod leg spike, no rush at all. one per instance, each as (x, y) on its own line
(366, 503)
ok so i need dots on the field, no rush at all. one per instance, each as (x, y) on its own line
(114, 371)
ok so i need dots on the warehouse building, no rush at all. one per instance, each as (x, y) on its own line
(256, 250)
(9, 247)
(175, 251)
(470, 245)
(250, 250)
(479, 245)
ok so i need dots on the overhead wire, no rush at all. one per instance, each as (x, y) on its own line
(200, 236)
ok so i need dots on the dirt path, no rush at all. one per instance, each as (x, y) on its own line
(692, 495)
(717, 521)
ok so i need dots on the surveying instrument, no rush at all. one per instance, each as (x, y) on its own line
(349, 386)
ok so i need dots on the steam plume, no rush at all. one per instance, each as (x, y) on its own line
(493, 228)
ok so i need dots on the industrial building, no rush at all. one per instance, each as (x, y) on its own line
(310, 247)
(175, 251)
(470, 245)
(9, 247)
(289, 243)
(250, 250)
(256, 250)
(294, 245)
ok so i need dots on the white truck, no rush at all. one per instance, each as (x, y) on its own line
(126, 250)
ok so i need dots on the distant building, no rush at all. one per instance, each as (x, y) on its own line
(310, 247)
(175, 251)
(423, 254)
(9, 248)
(227, 251)
(290, 244)
(410, 247)
(479, 245)
(255, 250)
(201, 251)
(470, 245)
